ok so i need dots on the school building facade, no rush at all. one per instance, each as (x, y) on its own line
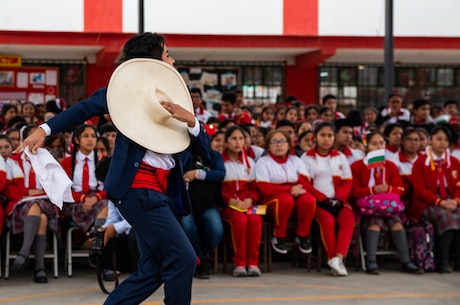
(268, 48)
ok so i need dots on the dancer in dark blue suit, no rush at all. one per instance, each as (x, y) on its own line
(136, 183)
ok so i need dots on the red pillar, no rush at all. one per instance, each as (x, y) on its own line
(302, 79)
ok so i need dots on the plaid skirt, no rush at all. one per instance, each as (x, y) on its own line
(15, 221)
(83, 220)
(384, 223)
(441, 219)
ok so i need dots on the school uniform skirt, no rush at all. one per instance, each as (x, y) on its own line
(442, 219)
(15, 221)
(83, 220)
(384, 223)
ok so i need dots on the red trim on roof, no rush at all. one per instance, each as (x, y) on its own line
(300, 17)
(103, 16)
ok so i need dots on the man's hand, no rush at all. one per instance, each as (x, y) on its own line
(179, 113)
(190, 175)
(109, 233)
(34, 141)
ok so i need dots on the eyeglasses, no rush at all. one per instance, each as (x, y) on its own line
(278, 142)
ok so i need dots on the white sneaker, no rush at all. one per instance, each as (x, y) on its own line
(334, 263)
(240, 272)
(342, 269)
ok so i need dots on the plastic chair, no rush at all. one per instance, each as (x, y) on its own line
(71, 253)
(54, 255)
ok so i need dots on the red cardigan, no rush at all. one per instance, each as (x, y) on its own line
(361, 176)
(425, 184)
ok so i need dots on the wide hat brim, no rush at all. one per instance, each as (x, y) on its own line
(135, 90)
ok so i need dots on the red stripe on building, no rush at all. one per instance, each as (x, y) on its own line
(300, 17)
(103, 16)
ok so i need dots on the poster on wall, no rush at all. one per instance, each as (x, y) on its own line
(35, 84)
(213, 82)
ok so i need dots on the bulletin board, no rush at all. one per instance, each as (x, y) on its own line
(35, 84)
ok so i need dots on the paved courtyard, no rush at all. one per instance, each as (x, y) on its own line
(285, 285)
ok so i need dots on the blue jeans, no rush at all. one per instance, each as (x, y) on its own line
(204, 231)
(165, 253)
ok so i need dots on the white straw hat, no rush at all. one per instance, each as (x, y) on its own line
(135, 90)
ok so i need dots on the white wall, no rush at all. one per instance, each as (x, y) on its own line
(261, 17)
(438, 18)
(242, 17)
(41, 15)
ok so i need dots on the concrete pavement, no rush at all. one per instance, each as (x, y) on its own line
(285, 285)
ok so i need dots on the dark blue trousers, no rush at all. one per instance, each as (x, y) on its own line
(165, 253)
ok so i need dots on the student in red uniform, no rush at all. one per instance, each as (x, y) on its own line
(230, 111)
(405, 160)
(435, 176)
(33, 217)
(90, 206)
(383, 179)
(331, 179)
(393, 133)
(240, 195)
(286, 190)
(3, 200)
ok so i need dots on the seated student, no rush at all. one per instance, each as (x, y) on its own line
(267, 117)
(311, 113)
(370, 117)
(230, 111)
(204, 225)
(325, 114)
(343, 139)
(424, 139)
(258, 138)
(109, 132)
(201, 113)
(240, 195)
(393, 112)
(330, 101)
(33, 217)
(405, 160)
(292, 115)
(289, 128)
(331, 179)
(286, 191)
(90, 206)
(3, 198)
(421, 114)
(451, 109)
(280, 113)
(393, 133)
(379, 180)
(436, 179)
(253, 151)
(304, 142)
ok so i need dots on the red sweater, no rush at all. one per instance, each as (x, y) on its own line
(425, 185)
(361, 176)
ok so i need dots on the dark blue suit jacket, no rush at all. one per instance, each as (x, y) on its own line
(128, 155)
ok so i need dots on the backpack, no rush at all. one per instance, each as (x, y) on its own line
(420, 239)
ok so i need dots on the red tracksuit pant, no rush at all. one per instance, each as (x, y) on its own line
(281, 207)
(246, 236)
(336, 233)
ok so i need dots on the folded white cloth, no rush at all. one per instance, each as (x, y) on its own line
(51, 176)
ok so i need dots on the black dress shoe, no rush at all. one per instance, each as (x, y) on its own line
(411, 268)
(445, 268)
(372, 268)
(40, 278)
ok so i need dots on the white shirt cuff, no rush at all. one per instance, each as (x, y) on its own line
(46, 128)
(195, 130)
